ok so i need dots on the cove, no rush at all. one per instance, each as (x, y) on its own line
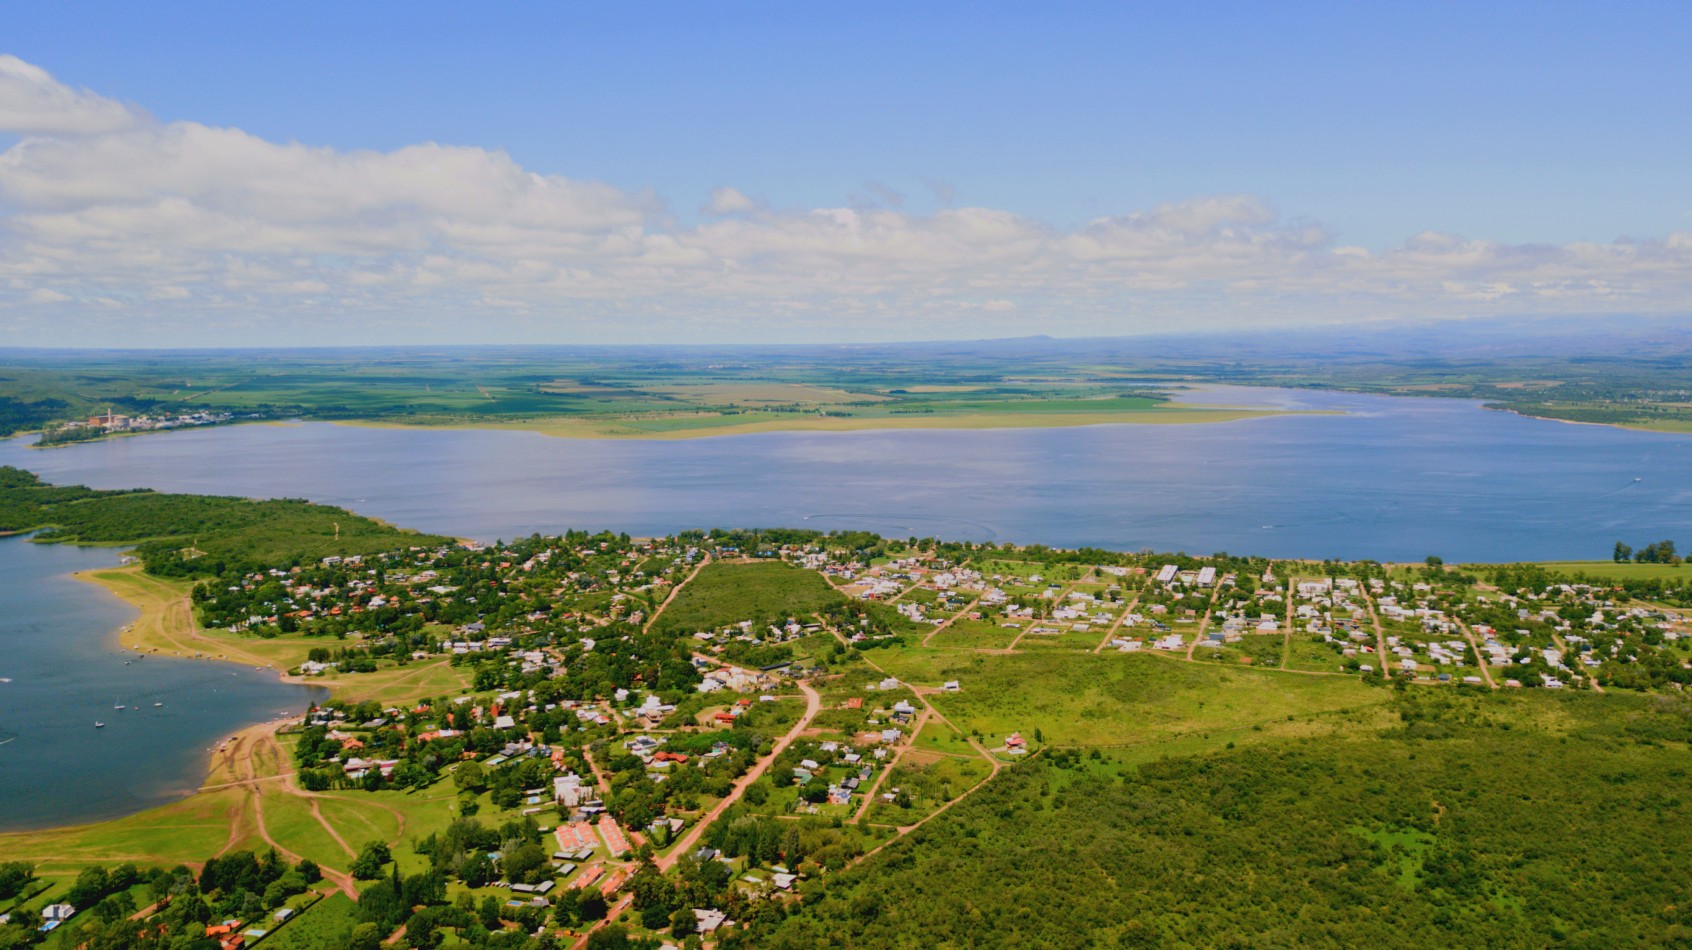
(59, 649)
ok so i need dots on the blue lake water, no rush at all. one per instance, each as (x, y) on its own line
(1391, 479)
(59, 649)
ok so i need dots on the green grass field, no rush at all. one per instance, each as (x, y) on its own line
(767, 592)
(325, 926)
(1112, 699)
(1613, 570)
(975, 635)
(928, 780)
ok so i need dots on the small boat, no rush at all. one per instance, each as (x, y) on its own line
(157, 705)
(118, 706)
(99, 725)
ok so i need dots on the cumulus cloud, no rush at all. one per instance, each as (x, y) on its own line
(32, 101)
(113, 224)
(727, 200)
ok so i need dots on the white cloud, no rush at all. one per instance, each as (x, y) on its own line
(727, 200)
(192, 231)
(31, 101)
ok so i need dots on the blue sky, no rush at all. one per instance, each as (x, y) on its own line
(1512, 127)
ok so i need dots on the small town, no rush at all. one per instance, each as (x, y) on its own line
(682, 736)
(111, 423)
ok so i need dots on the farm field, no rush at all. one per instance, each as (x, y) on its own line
(602, 394)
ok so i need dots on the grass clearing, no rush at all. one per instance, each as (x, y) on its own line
(1615, 570)
(921, 783)
(763, 592)
(1117, 699)
(327, 925)
(975, 635)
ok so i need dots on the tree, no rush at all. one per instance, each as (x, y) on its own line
(523, 863)
(470, 777)
(365, 936)
(613, 937)
(593, 905)
(90, 886)
(368, 865)
(14, 877)
(477, 870)
(683, 924)
(380, 905)
(1623, 552)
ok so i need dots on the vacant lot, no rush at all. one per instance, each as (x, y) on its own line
(326, 926)
(1112, 699)
(1613, 570)
(764, 592)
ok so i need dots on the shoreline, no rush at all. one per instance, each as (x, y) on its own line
(607, 430)
(1630, 427)
(613, 430)
(109, 436)
(208, 774)
(129, 637)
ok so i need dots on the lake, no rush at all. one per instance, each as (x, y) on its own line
(58, 648)
(1391, 479)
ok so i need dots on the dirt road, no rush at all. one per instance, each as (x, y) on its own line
(813, 705)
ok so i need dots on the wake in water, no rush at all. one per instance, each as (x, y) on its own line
(1617, 491)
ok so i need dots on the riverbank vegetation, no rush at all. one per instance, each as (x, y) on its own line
(193, 535)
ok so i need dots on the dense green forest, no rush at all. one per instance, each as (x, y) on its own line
(18, 415)
(188, 535)
(1475, 820)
